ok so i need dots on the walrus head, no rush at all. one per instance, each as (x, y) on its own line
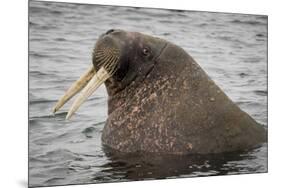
(119, 58)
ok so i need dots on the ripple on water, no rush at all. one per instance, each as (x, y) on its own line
(261, 92)
(249, 22)
(60, 155)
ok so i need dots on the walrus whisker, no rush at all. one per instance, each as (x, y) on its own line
(109, 61)
(105, 61)
(99, 55)
(111, 68)
(102, 59)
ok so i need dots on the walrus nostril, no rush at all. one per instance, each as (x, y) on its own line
(110, 31)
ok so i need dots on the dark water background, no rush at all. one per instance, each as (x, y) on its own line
(231, 48)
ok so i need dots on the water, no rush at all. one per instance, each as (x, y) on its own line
(231, 48)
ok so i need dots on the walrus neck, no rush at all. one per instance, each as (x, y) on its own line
(122, 97)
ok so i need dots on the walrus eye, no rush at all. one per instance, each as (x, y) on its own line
(145, 51)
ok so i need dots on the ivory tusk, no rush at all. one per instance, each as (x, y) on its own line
(75, 88)
(99, 78)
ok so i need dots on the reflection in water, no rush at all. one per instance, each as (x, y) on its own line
(140, 166)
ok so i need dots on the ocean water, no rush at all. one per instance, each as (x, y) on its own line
(231, 48)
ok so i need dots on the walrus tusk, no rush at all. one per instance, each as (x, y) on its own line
(99, 78)
(75, 88)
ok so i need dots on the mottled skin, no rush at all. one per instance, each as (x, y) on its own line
(160, 100)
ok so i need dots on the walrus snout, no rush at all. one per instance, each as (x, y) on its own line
(106, 54)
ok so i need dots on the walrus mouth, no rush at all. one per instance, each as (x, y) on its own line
(105, 59)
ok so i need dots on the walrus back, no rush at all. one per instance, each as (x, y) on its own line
(210, 120)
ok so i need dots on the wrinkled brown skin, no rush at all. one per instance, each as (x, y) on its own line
(177, 109)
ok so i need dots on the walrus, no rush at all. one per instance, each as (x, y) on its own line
(160, 100)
